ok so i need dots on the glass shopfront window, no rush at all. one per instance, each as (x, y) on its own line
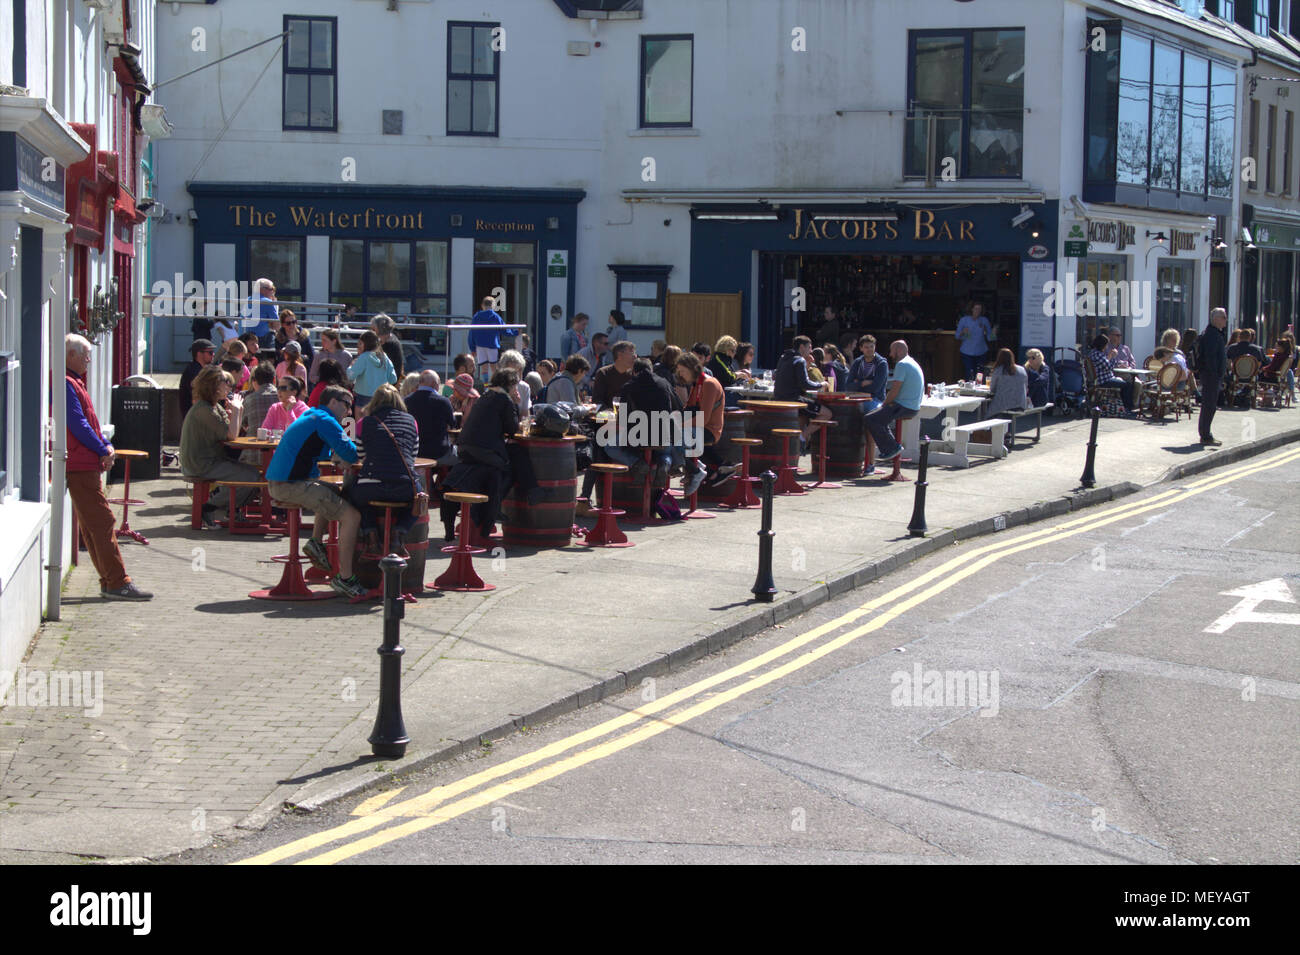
(399, 277)
(1223, 97)
(1108, 306)
(281, 261)
(1175, 285)
(1134, 110)
(1276, 307)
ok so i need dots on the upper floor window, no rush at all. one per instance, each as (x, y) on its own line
(966, 95)
(667, 80)
(1261, 17)
(310, 73)
(473, 78)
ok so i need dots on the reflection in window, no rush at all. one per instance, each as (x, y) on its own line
(473, 73)
(667, 75)
(1134, 109)
(997, 95)
(390, 265)
(1196, 79)
(1166, 107)
(279, 260)
(1223, 96)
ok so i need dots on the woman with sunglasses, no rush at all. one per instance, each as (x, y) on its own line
(286, 411)
(290, 332)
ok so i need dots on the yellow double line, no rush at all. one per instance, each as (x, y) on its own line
(437, 806)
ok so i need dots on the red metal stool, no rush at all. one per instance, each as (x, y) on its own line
(238, 525)
(292, 586)
(202, 491)
(606, 532)
(126, 500)
(897, 473)
(460, 575)
(821, 482)
(744, 496)
(377, 592)
(647, 518)
(314, 573)
(693, 513)
(785, 479)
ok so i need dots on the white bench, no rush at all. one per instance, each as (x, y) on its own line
(1015, 416)
(957, 452)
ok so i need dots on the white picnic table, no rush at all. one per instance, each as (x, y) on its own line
(934, 407)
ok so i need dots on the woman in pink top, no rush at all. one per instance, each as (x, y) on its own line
(292, 364)
(284, 413)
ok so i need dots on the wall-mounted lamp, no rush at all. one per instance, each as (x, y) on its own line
(1158, 236)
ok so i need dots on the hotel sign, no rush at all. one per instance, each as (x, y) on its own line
(1119, 234)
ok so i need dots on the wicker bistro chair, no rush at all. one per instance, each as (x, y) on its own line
(1245, 377)
(1106, 397)
(1273, 392)
(1161, 394)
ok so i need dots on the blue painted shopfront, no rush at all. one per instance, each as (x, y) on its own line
(495, 220)
(755, 256)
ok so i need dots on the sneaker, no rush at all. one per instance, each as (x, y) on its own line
(315, 552)
(721, 475)
(581, 507)
(1212, 442)
(127, 591)
(693, 484)
(347, 587)
(889, 457)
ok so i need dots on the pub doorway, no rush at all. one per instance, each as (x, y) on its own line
(510, 269)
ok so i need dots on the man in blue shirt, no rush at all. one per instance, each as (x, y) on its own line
(291, 477)
(973, 334)
(486, 342)
(869, 373)
(262, 310)
(903, 400)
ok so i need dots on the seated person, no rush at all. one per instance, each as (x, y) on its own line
(902, 400)
(433, 416)
(1281, 352)
(1170, 340)
(1106, 377)
(1119, 354)
(646, 394)
(720, 365)
(462, 364)
(258, 401)
(792, 380)
(705, 399)
(331, 375)
(514, 360)
(214, 419)
(484, 466)
(869, 373)
(1245, 345)
(1009, 385)
(609, 381)
(564, 386)
(389, 441)
(463, 393)
(1040, 378)
(293, 363)
(285, 411)
(292, 479)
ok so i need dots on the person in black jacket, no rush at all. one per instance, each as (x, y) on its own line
(433, 416)
(484, 457)
(384, 326)
(389, 440)
(791, 382)
(1213, 367)
(645, 395)
(202, 352)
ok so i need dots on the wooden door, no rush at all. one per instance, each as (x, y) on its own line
(702, 317)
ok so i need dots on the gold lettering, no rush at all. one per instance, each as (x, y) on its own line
(270, 220)
(392, 221)
(869, 230)
(944, 231)
(844, 229)
(798, 219)
(479, 224)
(238, 211)
(320, 220)
(300, 215)
(811, 227)
(891, 231)
(419, 220)
(408, 219)
(929, 219)
(967, 230)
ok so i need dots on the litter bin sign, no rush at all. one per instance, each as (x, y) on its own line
(137, 420)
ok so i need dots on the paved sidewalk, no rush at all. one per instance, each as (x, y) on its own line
(218, 710)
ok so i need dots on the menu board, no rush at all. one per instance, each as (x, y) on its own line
(1036, 328)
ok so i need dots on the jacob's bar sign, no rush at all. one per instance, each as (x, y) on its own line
(922, 226)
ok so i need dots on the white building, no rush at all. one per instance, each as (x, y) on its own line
(72, 74)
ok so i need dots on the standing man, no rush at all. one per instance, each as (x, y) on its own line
(574, 339)
(89, 454)
(1213, 367)
(830, 330)
(486, 342)
(292, 477)
(906, 386)
(973, 333)
(262, 309)
(202, 351)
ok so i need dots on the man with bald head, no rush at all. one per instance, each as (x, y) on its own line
(433, 416)
(902, 400)
(1212, 369)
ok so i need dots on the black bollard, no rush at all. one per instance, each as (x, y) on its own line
(764, 588)
(389, 738)
(917, 528)
(1089, 479)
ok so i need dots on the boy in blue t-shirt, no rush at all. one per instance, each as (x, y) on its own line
(486, 342)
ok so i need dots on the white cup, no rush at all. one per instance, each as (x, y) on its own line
(261, 434)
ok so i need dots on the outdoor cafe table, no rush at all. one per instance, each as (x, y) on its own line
(547, 522)
(934, 408)
(265, 449)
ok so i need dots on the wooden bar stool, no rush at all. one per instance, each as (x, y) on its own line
(785, 480)
(606, 532)
(743, 496)
(377, 592)
(897, 473)
(460, 575)
(126, 454)
(821, 482)
(292, 585)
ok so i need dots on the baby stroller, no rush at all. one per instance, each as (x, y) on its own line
(1068, 384)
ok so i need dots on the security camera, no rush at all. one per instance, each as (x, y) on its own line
(194, 216)
(144, 205)
(1246, 236)
(1023, 216)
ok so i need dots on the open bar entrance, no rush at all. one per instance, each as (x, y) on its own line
(918, 298)
(512, 268)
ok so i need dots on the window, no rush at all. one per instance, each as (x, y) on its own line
(1287, 138)
(1272, 149)
(972, 83)
(399, 277)
(473, 79)
(310, 68)
(1253, 144)
(667, 80)
(642, 294)
(1261, 17)
(281, 261)
(1159, 125)
(1223, 9)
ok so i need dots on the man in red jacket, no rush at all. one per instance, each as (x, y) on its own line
(89, 454)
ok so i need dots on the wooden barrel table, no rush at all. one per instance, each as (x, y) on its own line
(549, 522)
(770, 416)
(846, 444)
(627, 492)
(417, 544)
(735, 425)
